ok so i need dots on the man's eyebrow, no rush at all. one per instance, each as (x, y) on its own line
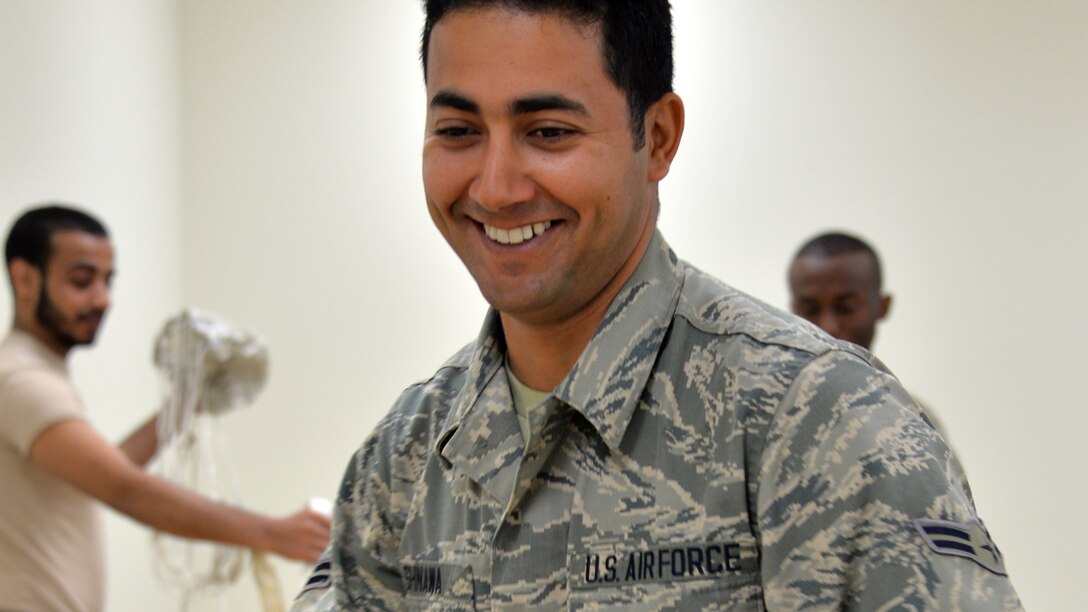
(455, 101)
(83, 265)
(87, 266)
(521, 106)
(533, 104)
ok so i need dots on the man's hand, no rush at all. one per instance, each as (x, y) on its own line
(301, 536)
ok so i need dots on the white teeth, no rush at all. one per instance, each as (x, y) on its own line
(518, 234)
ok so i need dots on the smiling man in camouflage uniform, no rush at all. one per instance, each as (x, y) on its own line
(626, 432)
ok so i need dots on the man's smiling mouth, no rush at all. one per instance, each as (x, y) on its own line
(516, 235)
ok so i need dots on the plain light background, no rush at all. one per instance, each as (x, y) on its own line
(260, 159)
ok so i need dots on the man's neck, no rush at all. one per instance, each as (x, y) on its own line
(542, 354)
(49, 340)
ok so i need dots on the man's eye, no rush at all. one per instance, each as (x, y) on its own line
(806, 310)
(454, 132)
(551, 133)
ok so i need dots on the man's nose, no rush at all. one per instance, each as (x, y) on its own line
(100, 297)
(828, 322)
(502, 179)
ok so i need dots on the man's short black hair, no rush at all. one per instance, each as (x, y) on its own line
(831, 244)
(31, 236)
(637, 37)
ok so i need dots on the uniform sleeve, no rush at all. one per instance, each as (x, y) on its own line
(861, 506)
(31, 401)
(360, 570)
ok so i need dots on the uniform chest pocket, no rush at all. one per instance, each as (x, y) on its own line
(438, 586)
(687, 576)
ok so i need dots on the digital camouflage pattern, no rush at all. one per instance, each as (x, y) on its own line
(707, 452)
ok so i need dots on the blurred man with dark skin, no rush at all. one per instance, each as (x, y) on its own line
(835, 283)
(626, 432)
(54, 465)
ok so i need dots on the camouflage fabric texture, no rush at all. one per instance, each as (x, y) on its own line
(707, 452)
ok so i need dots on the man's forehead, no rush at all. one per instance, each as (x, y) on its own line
(461, 31)
(857, 260)
(74, 237)
(75, 247)
(843, 268)
(485, 16)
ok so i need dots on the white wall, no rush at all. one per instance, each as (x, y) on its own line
(304, 206)
(954, 135)
(89, 115)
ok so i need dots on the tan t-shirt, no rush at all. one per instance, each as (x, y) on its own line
(51, 547)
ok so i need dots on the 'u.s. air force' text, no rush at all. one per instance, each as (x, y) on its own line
(687, 561)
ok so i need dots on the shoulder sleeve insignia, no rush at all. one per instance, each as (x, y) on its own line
(970, 540)
(321, 577)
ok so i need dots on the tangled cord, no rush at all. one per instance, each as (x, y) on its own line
(209, 367)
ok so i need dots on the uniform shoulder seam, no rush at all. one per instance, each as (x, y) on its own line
(458, 362)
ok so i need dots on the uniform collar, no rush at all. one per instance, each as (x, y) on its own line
(607, 380)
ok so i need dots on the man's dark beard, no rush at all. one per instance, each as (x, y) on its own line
(53, 321)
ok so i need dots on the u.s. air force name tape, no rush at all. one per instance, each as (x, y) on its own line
(619, 564)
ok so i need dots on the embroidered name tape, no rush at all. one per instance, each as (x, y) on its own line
(437, 579)
(969, 540)
(422, 579)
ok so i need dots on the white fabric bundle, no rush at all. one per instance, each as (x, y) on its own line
(209, 357)
(209, 367)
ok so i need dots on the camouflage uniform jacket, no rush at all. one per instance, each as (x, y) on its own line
(706, 452)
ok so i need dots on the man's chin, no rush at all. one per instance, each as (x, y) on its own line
(89, 332)
(72, 341)
(87, 340)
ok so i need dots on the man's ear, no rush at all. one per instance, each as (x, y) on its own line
(26, 280)
(885, 305)
(664, 127)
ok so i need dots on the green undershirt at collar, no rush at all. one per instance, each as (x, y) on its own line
(525, 399)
